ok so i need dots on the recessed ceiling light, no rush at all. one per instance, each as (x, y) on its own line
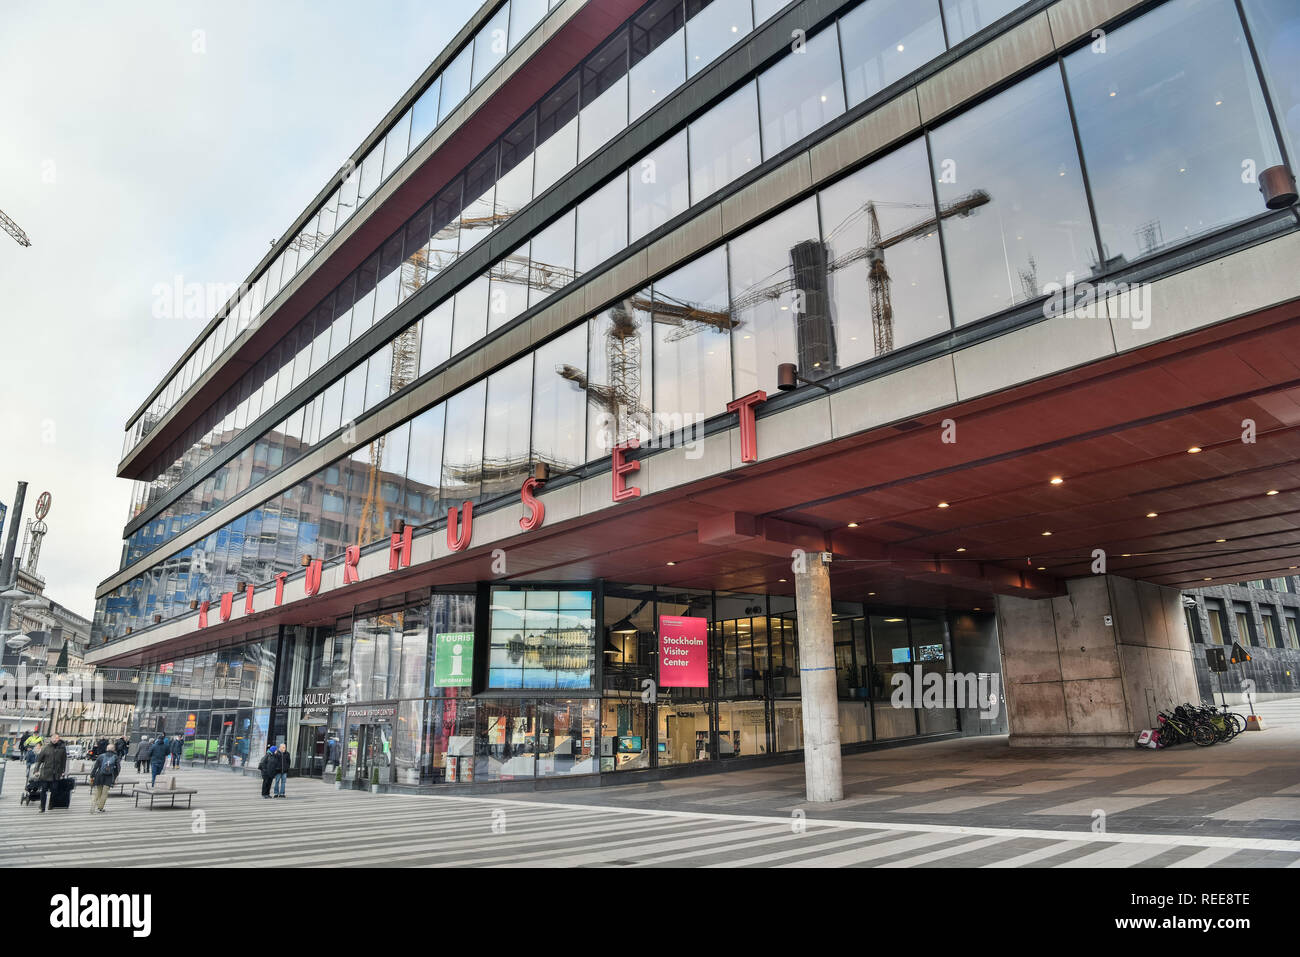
(945, 504)
(1207, 579)
(893, 620)
(1127, 555)
(1057, 480)
(1220, 541)
(1193, 450)
(961, 549)
(672, 563)
(870, 593)
(1151, 514)
(1042, 568)
(853, 524)
(976, 608)
(1271, 491)
(781, 579)
(1045, 534)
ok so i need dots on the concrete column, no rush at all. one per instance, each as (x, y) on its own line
(1092, 668)
(821, 706)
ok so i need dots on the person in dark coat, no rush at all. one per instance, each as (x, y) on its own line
(122, 747)
(50, 765)
(141, 754)
(158, 758)
(100, 747)
(282, 770)
(269, 766)
(102, 777)
(176, 751)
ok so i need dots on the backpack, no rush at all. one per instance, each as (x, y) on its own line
(109, 764)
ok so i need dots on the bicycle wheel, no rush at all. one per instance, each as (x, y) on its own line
(1236, 722)
(1203, 735)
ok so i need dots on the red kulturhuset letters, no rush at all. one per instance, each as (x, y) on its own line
(460, 521)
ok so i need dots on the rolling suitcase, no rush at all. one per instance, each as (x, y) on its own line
(61, 793)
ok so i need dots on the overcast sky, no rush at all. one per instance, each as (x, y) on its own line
(142, 140)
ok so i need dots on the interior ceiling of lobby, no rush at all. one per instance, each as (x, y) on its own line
(1118, 432)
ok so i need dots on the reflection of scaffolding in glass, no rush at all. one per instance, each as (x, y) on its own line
(1149, 236)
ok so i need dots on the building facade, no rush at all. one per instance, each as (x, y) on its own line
(511, 410)
(1263, 616)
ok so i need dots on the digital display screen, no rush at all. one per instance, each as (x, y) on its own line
(630, 745)
(902, 655)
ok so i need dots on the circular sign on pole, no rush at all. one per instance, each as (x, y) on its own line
(43, 506)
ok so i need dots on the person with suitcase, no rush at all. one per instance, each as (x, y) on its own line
(102, 776)
(48, 772)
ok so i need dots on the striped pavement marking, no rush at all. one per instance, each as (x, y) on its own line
(318, 826)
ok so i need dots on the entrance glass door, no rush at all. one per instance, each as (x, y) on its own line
(370, 750)
(311, 749)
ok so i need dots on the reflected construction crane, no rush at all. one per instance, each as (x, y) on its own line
(14, 230)
(404, 365)
(878, 281)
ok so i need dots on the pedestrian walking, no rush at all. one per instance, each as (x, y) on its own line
(142, 754)
(29, 758)
(282, 770)
(158, 758)
(50, 765)
(102, 777)
(121, 746)
(269, 765)
(176, 751)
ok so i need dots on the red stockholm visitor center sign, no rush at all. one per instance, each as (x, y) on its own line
(683, 652)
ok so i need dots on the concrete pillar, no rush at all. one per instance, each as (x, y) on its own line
(1092, 668)
(821, 706)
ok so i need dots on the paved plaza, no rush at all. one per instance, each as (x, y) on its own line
(966, 803)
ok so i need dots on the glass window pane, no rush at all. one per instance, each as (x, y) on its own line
(768, 264)
(658, 54)
(660, 187)
(478, 217)
(801, 93)
(462, 457)
(551, 258)
(1275, 27)
(372, 169)
(515, 182)
(692, 355)
(602, 224)
(886, 285)
(455, 82)
(396, 144)
(1013, 212)
(508, 296)
(559, 402)
(491, 44)
(524, 15)
(471, 314)
(618, 380)
(604, 95)
(965, 18)
(887, 39)
(557, 134)
(1166, 118)
(435, 336)
(424, 468)
(424, 114)
(712, 27)
(507, 429)
(724, 142)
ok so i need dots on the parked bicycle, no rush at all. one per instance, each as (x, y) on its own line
(1203, 725)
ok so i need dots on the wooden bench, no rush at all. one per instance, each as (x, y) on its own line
(157, 793)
